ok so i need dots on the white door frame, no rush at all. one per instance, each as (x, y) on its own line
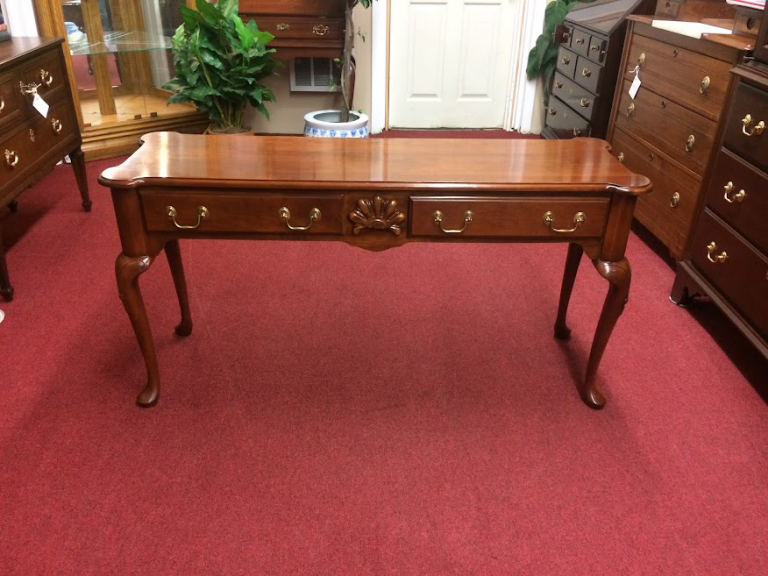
(522, 94)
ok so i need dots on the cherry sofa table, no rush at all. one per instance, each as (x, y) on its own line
(375, 194)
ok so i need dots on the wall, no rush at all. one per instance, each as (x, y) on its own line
(20, 14)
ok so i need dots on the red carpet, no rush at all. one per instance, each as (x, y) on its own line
(340, 412)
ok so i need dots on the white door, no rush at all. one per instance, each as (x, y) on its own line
(450, 62)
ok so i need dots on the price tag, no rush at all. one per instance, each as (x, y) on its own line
(40, 105)
(635, 84)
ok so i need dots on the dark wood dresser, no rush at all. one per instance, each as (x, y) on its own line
(587, 67)
(30, 144)
(728, 254)
(668, 131)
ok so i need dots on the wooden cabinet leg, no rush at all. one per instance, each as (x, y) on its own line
(78, 165)
(681, 293)
(6, 290)
(14, 206)
(173, 253)
(127, 270)
(619, 276)
(572, 261)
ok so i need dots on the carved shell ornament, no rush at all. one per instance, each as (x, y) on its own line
(377, 213)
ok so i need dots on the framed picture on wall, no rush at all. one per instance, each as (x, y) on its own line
(5, 33)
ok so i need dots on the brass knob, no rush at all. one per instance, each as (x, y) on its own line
(578, 219)
(705, 84)
(738, 197)
(320, 29)
(675, 200)
(641, 59)
(620, 157)
(565, 60)
(586, 72)
(282, 27)
(690, 143)
(674, 53)
(46, 77)
(594, 48)
(720, 258)
(202, 214)
(285, 216)
(552, 111)
(579, 40)
(56, 126)
(558, 84)
(577, 132)
(2, 104)
(11, 158)
(584, 103)
(437, 216)
(631, 110)
(755, 130)
(651, 156)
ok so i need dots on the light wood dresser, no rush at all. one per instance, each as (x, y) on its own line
(668, 131)
(30, 144)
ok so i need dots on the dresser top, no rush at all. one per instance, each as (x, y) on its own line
(580, 164)
(23, 46)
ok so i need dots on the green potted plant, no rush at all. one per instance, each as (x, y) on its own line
(220, 62)
(342, 123)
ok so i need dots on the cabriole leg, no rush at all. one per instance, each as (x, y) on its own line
(572, 261)
(173, 253)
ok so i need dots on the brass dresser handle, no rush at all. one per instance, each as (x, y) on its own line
(320, 29)
(577, 132)
(641, 59)
(552, 111)
(11, 158)
(586, 72)
(565, 60)
(675, 200)
(285, 216)
(283, 27)
(438, 217)
(584, 103)
(620, 157)
(578, 219)
(2, 104)
(720, 258)
(705, 82)
(28, 89)
(56, 126)
(738, 197)
(755, 130)
(202, 214)
(579, 40)
(558, 85)
(689, 144)
(631, 110)
(594, 48)
(46, 77)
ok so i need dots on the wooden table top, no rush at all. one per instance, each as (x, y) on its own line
(189, 160)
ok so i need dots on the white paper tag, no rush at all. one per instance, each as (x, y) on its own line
(635, 85)
(40, 105)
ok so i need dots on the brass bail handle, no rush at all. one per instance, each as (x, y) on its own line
(28, 89)
(46, 77)
(720, 258)
(578, 220)
(469, 216)
(11, 158)
(202, 214)
(755, 130)
(285, 216)
(731, 198)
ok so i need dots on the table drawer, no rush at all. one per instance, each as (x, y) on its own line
(235, 212)
(9, 100)
(578, 98)
(588, 74)
(580, 42)
(564, 121)
(689, 77)
(471, 217)
(566, 62)
(738, 193)
(738, 270)
(746, 136)
(684, 135)
(297, 27)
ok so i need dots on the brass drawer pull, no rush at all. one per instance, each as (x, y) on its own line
(320, 29)
(755, 130)
(577, 132)
(641, 59)
(631, 110)
(578, 219)
(11, 158)
(285, 216)
(579, 40)
(469, 216)
(283, 27)
(720, 258)
(565, 60)
(28, 89)
(552, 111)
(705, 84)
(56, 126)
(594, 48)
(689, 144)
(202, 214)
(586, 72)
(675, 200)
(584, 103)
(620, 157)
(738, 197)
(46, 77)
(2, 104)
(558, 85)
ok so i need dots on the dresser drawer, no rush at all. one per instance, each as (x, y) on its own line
(738, 270)
(508, 217)
(9, 100)
(297, 27)
(689, 77)
(738, 193)
(589, 74)
(47, 73)
(17, 154)
(684, 135)
(566, 62)
(564, 121)
(743, 134)
(580, 42)
(59, 127)
(578, 98)
(597, 49)
(242, 212)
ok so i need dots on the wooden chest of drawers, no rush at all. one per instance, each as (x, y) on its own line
(668, 131)
(30, 143)
(728, 254)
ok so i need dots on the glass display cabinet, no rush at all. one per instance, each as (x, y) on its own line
(118, 56)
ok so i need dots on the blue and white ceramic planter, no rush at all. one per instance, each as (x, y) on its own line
(325, 124)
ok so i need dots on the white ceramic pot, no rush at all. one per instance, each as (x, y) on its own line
(325, 124)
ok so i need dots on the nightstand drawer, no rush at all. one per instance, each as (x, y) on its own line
(566, 62)
(597, 49)
(738, 193)
(460, 217)
(580, 42)
(745, 129)
(564, 121)
(578, 98)
(589, 74)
